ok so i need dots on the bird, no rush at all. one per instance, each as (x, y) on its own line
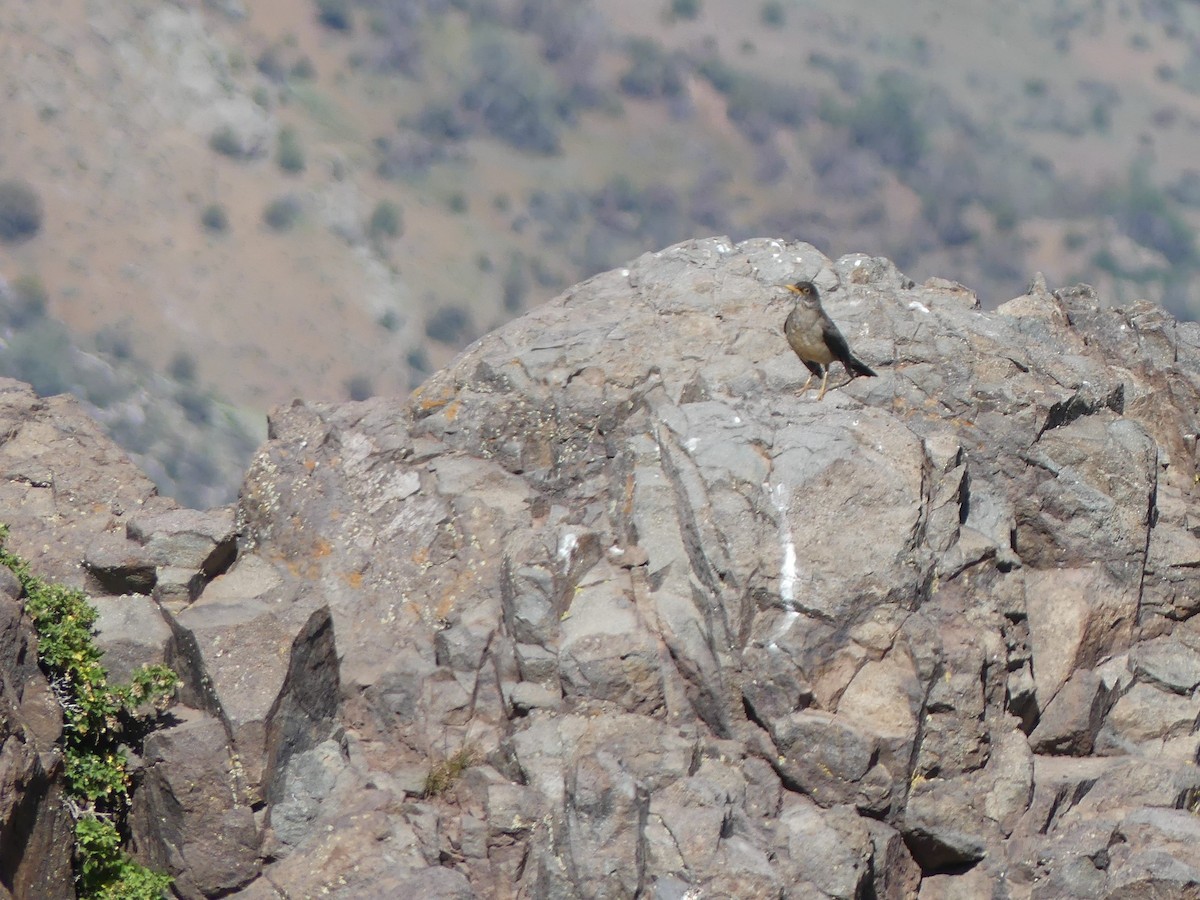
(811, 333)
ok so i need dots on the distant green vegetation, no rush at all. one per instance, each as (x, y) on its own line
(684, 9)
(28, 301)
(214, 218)
(335, 14)
(653, 73)
(515, 98)
(225, 140)
(755, 105)
(386, 220)
(360, 387)
(283, 213)
(772, 14)
(20, 210)
(289, 154)
(885, 121)
(1149, 216)
(450, 324)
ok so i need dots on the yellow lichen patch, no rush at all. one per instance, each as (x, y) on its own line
(310, 465)
(354, 579)
(433, 402)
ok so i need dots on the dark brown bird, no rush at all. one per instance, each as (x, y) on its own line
(816, 340)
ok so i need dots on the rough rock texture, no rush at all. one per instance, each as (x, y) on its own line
(35, 829)
(606, 610)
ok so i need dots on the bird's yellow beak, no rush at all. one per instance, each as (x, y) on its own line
(792, 288)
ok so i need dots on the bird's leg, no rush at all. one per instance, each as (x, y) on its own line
(824, 384)
(804, 387)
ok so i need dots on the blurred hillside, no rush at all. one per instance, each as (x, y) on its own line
(236, 203)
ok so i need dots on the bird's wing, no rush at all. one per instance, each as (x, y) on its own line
(835, 342)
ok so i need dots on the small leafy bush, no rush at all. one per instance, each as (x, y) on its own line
(226, 142)
(282, 213)
(106, 872)
(386, 220)
(215, 219)
(685, 9)
(99, 719)
(335, 14)
(289, 154)
(653, 72)
(360, 387)
(20, 210)
(29, 301)
(448, 325)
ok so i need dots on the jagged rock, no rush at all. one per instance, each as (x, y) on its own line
(1073, 718)
(133, 634)
(192, 816)
(204, 542)
(271, 678)
(619, 614)
(65, 486)
(35, 827)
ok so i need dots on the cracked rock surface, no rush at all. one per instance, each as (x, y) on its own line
(659, 625)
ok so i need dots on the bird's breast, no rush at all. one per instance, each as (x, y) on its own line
(807, 338)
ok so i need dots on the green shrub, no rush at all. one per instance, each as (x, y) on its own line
(282, 213)
(29, 301)
(20, 210)
(196, 405)
(652, 71)
(1148, 215)
(443, 775)
(225, 141)
(270, 63)
(448, 325)
(289, 154)
(182, 367)
(114, 341)
(442, 121)
(106, 872)
(303, 69)
(772, 14)
(516, 283)
(214, 218)
(359, 387)
(386, 220)
(39, 354)
(334, 14)
(887, 122)
(684, 9)
(516, 99)
(98, 720)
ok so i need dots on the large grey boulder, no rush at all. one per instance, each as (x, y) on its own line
(698, 632)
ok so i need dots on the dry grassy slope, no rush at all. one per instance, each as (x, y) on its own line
(112, 104)
(984, 55)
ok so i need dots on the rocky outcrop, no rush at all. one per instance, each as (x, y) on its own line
(35, 828)
(605, 609)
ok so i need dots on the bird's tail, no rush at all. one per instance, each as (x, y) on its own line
(858, 367)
